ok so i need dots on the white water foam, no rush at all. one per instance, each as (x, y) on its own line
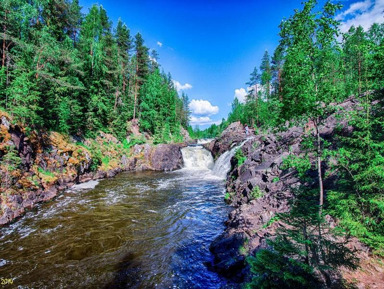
(197, 157)
(204, 140)
(85, 186)
(223, 163)
(200, 160)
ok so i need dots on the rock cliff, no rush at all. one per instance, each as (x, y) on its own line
(35, 167)
(258, 187)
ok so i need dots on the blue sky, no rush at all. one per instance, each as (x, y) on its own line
(211, 47)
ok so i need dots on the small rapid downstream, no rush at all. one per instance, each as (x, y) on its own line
(137, 230)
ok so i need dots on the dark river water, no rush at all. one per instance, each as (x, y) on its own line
(137, 230)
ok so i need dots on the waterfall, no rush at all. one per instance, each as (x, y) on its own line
(223, 163)
(197, 157)
(204, 140)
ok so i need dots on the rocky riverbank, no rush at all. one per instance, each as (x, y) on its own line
(49, 162)
(259, 187)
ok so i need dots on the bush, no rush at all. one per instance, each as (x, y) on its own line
(239, 155)
(257, 193)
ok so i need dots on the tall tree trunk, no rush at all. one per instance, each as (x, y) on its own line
(319, 171)
(117, 86)
(116, 98)
(124, 79)
(280, 88)
(306, 243)
(7, 82)
(359, 74)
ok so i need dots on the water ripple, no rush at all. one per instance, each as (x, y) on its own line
(138, 230)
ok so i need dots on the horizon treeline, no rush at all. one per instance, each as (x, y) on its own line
(78, 74)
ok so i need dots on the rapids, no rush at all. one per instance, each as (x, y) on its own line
(137, 230)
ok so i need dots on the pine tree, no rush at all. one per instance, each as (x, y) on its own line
(141, 61)
(253, 97)
(254, 81)
(266, 74)
(303, 250)
(75, 21)
(277, 67)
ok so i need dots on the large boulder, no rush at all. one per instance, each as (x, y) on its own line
(166, 157)
(233, 134)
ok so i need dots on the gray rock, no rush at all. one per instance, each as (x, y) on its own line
(5, 122)
(166, 157)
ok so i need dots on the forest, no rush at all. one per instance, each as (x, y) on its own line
(76, 74)
(315, 68)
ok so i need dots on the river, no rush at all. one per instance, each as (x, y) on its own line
(137, 230)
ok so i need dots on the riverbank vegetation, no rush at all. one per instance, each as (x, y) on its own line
(314, 68)
(62, 71)
(77, 92)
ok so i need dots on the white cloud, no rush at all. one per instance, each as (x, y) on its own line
(240, 94)
(152, 59)
(354, 8)
(363, 13)
(203, 107)
(159, 44)
(180, 86)
(203, 120)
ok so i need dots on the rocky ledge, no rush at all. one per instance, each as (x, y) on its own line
(232, 135)
(50, 162)
(258, 188)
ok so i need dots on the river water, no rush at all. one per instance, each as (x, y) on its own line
(137, 230)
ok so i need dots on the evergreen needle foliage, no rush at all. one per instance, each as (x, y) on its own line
(73, 73)
(313, 68)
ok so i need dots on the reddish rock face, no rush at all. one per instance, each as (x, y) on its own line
(233, 134)
(259, 188)
(51, 162)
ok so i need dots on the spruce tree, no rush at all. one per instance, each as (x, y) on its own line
(266, 74)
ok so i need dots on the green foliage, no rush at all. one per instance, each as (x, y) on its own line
(301, 164)
(211, 132)
(310, 70)
(240, 157)
(161, 109)
(257, 193)
(309, 38)
(283, 272)
(72, 73)
(271, 221)
(303, 250)
(45, 173)
(9, 163)
(266, 74)
(105, 161)
(132, 141)
(358, 199)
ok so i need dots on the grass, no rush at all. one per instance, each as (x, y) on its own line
(45, 173)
